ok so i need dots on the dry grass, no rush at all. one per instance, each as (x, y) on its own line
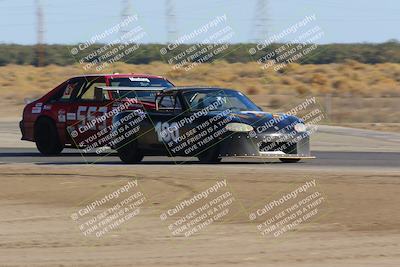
(360, 92)
(349, 79)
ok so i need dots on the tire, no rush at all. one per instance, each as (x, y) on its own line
(210, 155)
(46, 137)
(129, 153)
(289, 160)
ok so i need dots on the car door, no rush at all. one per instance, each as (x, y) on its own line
(60, 103)
(161, 126)
(87, 118)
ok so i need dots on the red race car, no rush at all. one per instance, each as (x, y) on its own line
(50, 120)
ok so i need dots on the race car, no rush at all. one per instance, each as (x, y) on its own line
(208, 123)
(48, 120)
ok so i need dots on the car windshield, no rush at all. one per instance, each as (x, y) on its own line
(148, 95)
(141, 95)
(219, 99)
(140, 82)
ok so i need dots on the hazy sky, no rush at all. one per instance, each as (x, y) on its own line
(74, 21)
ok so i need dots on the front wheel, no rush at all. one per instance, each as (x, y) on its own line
(129, 153)
(284, 160)
(46, 137)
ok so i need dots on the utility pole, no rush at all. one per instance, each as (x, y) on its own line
(171, 20)
(261, 21)
(125, 13)
(40, 53)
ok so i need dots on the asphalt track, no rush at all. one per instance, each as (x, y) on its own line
(333, 159)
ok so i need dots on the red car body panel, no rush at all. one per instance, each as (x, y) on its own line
(62, 112)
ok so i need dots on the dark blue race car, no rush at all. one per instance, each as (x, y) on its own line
(208, 123)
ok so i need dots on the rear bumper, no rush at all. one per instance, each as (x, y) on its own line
(26, 129)
(22, 129)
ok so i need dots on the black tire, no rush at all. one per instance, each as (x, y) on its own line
(285, 160)
(210, 155)
(46, 137)
(129, 153)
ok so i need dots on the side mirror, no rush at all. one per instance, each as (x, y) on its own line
(157, 104)
(157, 101)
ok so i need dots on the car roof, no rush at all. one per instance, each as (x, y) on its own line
(125, 88)
(120, 75)
(193, 88)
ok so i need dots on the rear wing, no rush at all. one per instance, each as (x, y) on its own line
(100, 91)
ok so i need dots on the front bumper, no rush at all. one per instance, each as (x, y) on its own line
(266, 145)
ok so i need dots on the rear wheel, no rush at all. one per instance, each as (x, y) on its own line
(210, 155)
(289, 160)
(46, 137)
(129, 153)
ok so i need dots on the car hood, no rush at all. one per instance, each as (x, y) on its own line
(264, 120)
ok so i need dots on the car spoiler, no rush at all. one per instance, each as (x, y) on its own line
(99, 90)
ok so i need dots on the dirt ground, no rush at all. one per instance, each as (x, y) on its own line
(358, 224)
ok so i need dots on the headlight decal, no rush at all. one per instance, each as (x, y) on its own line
(238, 127)
(300, 127)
